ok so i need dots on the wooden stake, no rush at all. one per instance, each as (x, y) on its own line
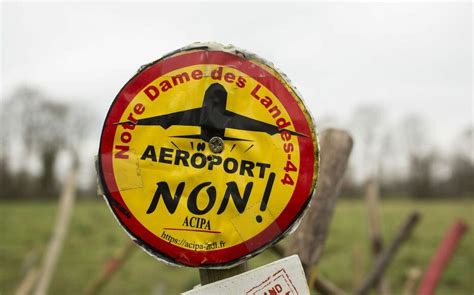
(28, 282)
(372, 197)
(441, 258)
(208, 276)
(413, 276)
(385, 258)
(372, 202)
(66, 203)
(31, 271)
(308, 241)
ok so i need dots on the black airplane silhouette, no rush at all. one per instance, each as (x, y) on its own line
(212, 117)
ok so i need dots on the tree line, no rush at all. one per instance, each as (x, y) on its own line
(42, 136)
(400, 156)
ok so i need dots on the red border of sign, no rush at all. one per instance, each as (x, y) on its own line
(295, 207)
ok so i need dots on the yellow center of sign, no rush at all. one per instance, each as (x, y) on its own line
(182, 191)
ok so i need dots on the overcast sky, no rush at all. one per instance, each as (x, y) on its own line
(408, 58)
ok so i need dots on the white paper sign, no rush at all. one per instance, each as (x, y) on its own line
(284, 276)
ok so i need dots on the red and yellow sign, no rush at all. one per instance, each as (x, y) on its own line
(208, 157)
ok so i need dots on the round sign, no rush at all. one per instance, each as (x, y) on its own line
(208, 156)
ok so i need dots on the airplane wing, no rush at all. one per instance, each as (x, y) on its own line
(188, 118)
(245, 123)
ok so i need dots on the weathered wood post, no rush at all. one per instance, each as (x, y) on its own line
(413, 275)
(208, 276)
(385, 258)
(309, 240)
(372, 196)
(66, 204)
(372, 200)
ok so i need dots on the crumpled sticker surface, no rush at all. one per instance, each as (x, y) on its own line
(187, 202)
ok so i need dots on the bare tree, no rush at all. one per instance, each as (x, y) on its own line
(420, 157)
(367, 126)
(462, 164)
(421, 180)
(44, 128)
(415, 135)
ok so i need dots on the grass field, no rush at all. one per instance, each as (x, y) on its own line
(95, 235)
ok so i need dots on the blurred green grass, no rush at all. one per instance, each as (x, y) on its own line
(95, 235)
